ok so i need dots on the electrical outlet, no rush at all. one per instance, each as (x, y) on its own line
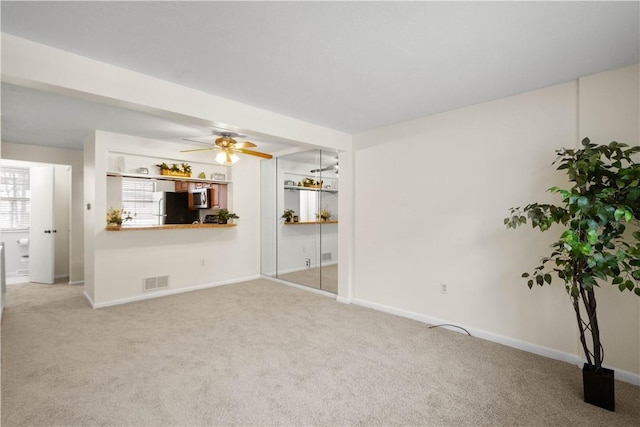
(443, 288)
(307, 262)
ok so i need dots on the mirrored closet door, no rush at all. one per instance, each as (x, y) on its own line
(301, 191)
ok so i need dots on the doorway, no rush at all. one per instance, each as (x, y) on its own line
(24, 204)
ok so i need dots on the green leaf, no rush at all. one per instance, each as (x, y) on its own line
(617, 280)
(539, 280)
(530, 283)
(547, 278)
(619, 213)
(637, 291)
(583, 202)
(584, 248)
(525, 274)
(575, 293)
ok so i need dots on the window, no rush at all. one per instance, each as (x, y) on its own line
(137, 198)
(15, 199)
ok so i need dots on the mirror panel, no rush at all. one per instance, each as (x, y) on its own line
(305, 247)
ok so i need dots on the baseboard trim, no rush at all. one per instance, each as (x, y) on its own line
(169, 292)
(344, 300)
(296, 269)
(76, 283)
(88, 298)
(301, 287)
(622, 375)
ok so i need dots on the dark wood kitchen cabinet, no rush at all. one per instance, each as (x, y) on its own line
(219, 196)
(218, 191)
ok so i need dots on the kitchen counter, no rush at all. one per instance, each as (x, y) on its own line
(170, 227)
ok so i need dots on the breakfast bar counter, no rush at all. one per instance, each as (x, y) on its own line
(169, 227)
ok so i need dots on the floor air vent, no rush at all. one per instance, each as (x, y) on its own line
(155, 283)
(326, 256)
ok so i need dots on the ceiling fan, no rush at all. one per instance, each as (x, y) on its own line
(228, 147)
(327, 168)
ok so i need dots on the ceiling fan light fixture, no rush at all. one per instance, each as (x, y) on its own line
(226, 158)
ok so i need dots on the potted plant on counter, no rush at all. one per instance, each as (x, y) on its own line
(593, 249)
(224, 216)
(324, 215)
(288, 215)
(115, 217)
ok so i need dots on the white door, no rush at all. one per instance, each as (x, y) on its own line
(42, 231)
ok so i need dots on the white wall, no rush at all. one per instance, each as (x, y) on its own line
(122, 259)
(445, 198)
(91, 216)
(73, 158)
(609, 111)
(62, 204)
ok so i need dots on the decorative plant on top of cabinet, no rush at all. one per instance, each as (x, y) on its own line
(183, 169)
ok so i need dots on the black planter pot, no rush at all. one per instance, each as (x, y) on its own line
(599, 387)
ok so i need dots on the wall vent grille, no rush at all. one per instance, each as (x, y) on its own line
(326, 256)
(155, 283)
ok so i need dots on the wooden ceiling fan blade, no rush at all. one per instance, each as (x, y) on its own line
(246, 144)
(199, 149)
(254, 153)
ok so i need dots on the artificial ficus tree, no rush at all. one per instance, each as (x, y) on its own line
(594, 248)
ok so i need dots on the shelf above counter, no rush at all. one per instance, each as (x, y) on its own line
(166, 177)
(170, 227)
(311, 222)
(295, 187)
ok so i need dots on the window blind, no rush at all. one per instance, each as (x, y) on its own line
(15, 199)
(137, 198)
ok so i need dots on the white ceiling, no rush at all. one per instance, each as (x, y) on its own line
(350, 66)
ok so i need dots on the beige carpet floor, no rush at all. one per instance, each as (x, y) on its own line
(325, 278)
(262, 353)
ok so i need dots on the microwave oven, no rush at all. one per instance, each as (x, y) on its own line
(200, 198)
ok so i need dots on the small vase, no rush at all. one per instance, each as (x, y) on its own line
(113, 225)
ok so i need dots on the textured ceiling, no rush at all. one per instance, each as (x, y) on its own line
(350, 66)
